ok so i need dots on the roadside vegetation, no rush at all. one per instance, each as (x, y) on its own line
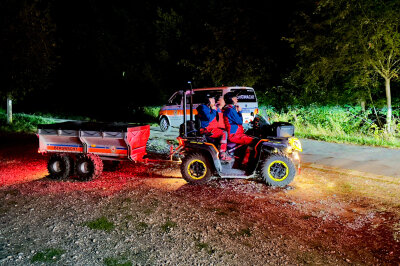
(22, 123)
(340, 124)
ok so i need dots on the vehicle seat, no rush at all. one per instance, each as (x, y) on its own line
(231, 145)
(197, 123)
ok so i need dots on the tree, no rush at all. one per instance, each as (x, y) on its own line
(27, 55)
(350, 42)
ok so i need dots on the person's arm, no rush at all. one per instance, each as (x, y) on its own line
(205, 113)
(235, 117)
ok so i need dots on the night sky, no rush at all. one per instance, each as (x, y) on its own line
(102, 57)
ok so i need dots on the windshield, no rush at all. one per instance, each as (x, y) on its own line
(245, 95)
(175, 99)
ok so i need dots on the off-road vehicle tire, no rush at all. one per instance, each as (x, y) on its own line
(278, 170)
(196, 169)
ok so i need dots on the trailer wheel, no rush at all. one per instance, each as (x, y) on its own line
(88, 167)
(278, 170)
(59, 166)
(196, 169)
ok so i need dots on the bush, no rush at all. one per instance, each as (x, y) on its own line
(340, 124)
(22, 122)
(147, 114)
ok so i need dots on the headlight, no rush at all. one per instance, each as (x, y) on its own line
(296, 156)
(295, 144)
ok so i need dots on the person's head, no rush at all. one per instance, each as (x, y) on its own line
(220, 101)
(209, 99)
(230, 98)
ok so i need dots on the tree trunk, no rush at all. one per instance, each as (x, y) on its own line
(389, 105)
(362, 103)
(9, 110)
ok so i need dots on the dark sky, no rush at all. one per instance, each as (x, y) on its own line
(107, 56)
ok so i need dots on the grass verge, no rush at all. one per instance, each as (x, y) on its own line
(340, 124)
(109, 261)
(100, 224)
(48, 255)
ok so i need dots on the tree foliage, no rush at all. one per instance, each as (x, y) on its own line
(346, 47)
(27, 54)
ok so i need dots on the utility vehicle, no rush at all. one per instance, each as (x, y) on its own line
(274, 159)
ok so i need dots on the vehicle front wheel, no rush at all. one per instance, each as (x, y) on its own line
(278, 170)
(164, 124)
(196, 169)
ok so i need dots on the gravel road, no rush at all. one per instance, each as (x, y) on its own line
(147, 215)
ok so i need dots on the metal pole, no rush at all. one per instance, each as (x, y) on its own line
(184, 113)
(9, 110)
(191, 101)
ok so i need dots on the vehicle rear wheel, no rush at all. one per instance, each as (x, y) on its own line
(164, 124)
(59, 166)
(278, 170)
(88, 167)
(196, 169)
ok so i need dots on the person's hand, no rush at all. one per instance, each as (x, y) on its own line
(212, 103)
(238, 108)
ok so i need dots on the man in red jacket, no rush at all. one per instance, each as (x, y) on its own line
(234, 121)
(234, 125)
(208, 114)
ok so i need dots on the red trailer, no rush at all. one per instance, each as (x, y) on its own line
(81, 147)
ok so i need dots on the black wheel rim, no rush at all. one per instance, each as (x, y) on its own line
(278, 171)
(197, 169)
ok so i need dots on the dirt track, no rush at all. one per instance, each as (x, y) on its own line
(326, 216)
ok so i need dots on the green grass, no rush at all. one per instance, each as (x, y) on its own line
(48, 255)
(110, 261)
(339, 124)
(167, 226)
(22, 122)
(100, 224)
(141, 226)
(204, 246)
(245, 232)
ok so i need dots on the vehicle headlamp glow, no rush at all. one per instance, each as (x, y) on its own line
(296, 144)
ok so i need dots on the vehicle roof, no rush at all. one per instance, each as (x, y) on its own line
(90, 126)
(220, 88)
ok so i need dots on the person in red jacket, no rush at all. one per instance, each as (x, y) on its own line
(234, 125)
(220, 105)
(234, 121)
(208, 114)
